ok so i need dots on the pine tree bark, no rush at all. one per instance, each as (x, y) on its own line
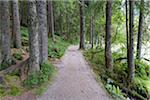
(16, 25)
(131, 41)
(43, 36)
(82, 25)
(5, 32)
(23, 12)
(127, 30)
(33, 37)
(50, 20)
(108, 53)
(91, 31)
(140, 30)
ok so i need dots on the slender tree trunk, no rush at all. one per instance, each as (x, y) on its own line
(131, 41)
(33, 37)
(127, 30)
(50, 19)
(68, 26)
(108, 53)
(23, 12)
(0, 38)
(5, 30)
(82, 25)
(16, 25)
(140, 30)
(43, 36)
(91, 31)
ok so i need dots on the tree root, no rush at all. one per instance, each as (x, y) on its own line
(22, 68)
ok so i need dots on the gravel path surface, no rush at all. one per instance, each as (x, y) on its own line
(75, 80)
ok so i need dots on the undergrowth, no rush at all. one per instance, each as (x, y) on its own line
(18, 55)
(57, 48)
(38, 78)
(10, 86)
(120, 74)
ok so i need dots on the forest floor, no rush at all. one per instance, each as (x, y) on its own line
(75, 81)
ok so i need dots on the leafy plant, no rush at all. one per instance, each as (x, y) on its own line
(115, 91)
(57, 48)
(14, 91)
(4, 66)
(18, 56)
(38, 78)
(24, 36)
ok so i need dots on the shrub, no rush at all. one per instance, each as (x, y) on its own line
(57, 48)
(14, 91)
(115, 91)
(38, 78)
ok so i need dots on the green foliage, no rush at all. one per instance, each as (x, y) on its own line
(140, 85)
(142, 69)
(120, 73)
(118, 36)
(10, 86)
(18, 55)
(12, 90)
(115, 91)
(38, 78)
(57, 48)
(15, 91)
(24, 36)
(142, 78)
(67, 23)
(40, 90)
(2, 90)
(24, 31)
(4, 66)
(95, 56)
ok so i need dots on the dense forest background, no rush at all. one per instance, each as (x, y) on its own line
(113, 34)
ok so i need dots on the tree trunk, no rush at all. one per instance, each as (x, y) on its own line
(33, 37)
(0, 38)
(108, 53)
(16, 25)
(131, 41)
(127, 30)
(82, 25)
(5, 31)
(91, 31)
(43, 36)
(23, 12)
(140, 30)
(50, 20)
(68, 26)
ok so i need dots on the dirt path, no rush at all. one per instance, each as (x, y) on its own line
(75, 80)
